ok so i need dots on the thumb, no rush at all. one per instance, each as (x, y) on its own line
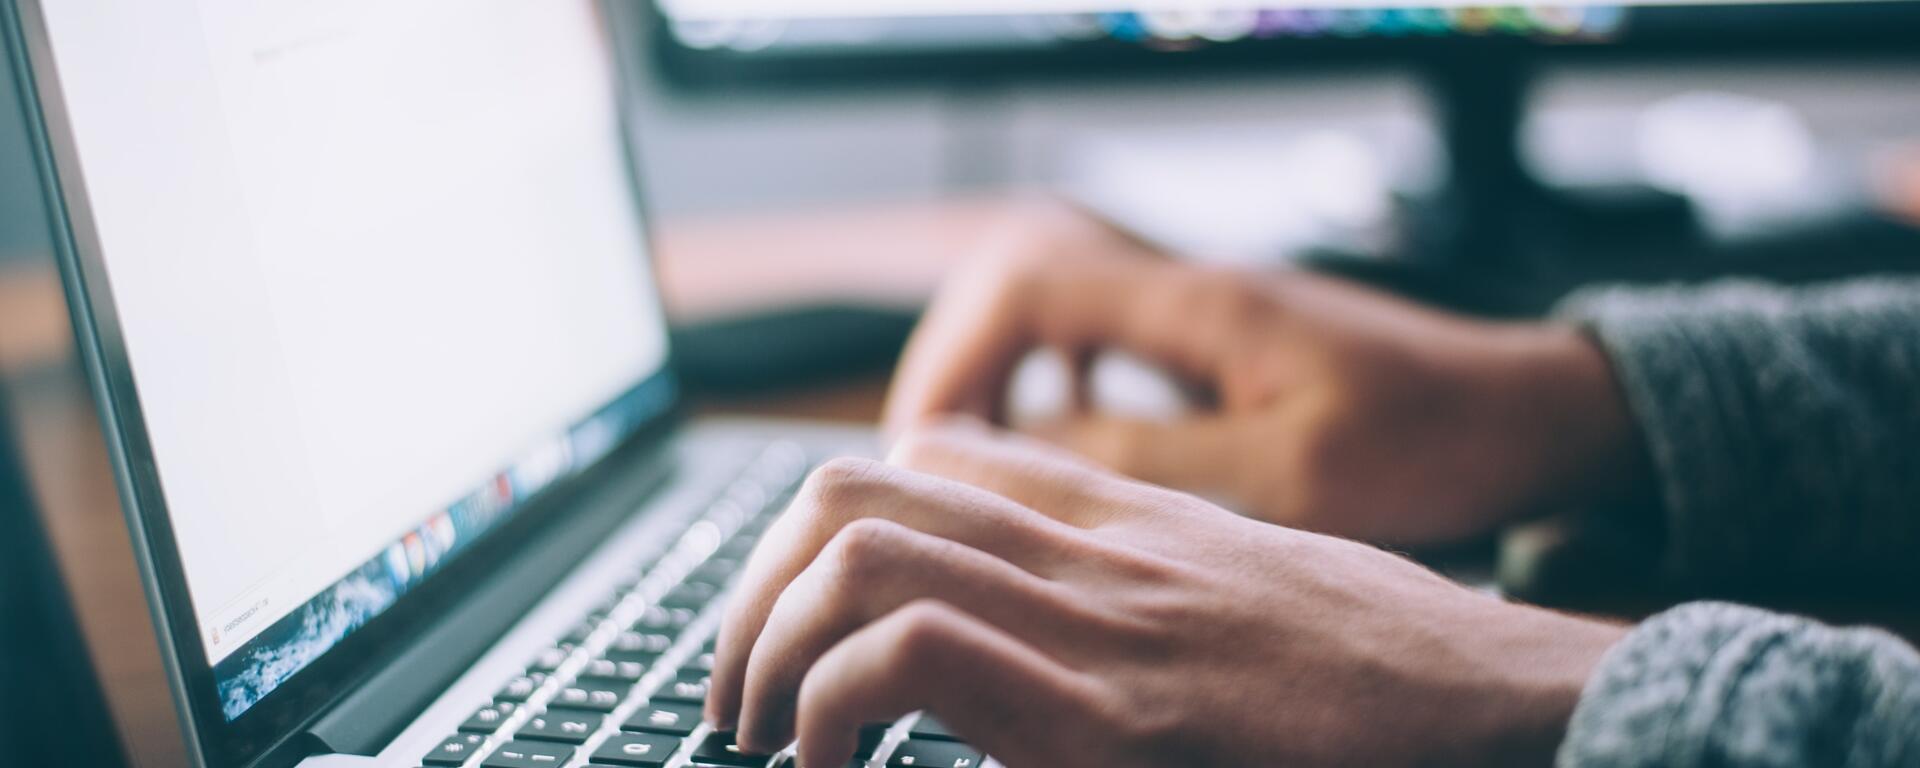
(1199, 455)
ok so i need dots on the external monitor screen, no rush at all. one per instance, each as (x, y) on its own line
(829, 27)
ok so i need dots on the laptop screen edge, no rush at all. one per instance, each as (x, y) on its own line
(210, 739)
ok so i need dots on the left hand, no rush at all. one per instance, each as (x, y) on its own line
(1057, 615)
(1321, 404)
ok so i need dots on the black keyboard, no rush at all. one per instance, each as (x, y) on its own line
(625, 686)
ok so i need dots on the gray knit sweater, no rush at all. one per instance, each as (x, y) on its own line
(1784, 428)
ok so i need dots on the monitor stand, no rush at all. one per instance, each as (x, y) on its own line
(1496, 240)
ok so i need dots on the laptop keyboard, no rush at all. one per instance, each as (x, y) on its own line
(626, 686)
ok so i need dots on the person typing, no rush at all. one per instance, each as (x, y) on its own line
(1067, 597)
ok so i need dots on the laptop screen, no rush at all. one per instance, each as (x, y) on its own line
(380, 276)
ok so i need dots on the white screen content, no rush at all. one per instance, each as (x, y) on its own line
(364, 254)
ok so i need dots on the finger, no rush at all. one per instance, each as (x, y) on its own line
(1202, 454)
(870, 569)
(1038, 475)
(978, 328)
(964, 349)
(845, 490)
(1002, 695)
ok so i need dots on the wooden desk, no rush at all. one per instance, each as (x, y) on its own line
(68, 468)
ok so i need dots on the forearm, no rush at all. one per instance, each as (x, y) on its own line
(1781, 427)
(1712, 684)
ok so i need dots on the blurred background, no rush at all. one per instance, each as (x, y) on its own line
(1484, 157)
(815, 166)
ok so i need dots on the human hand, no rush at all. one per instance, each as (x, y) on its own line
(1328, 406)
(1057, 615)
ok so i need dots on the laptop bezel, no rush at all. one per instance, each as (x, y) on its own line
(267, 731)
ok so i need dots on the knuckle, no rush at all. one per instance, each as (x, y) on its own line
(1022, 250)
(1017, 258)
(843, 471)
(864, 550)
(921, 630)
(837, 483)
(921, 445)
(943, 441)
(1013, 257)
(1145, 726)
(1022, 235)
(1228, 298)
(1154, 731)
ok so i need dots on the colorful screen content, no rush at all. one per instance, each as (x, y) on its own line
(831, 27)
(288, 645)
(828, 26)
(380, 276)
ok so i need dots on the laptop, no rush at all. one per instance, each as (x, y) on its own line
(364, 290)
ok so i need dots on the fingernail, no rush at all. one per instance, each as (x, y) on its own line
(749, 740)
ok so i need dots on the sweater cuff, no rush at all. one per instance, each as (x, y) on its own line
(1668, 357)
(1714, 684)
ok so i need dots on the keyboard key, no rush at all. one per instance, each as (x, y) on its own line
(638, 657)
(528, 754)
(718, 749)
(931, 729)
(549, 659)
(641, 647)
(518, 689)
(665, 621)
(607, 670)
(715, 571)
(455, 750)
(489, 718)
(578, 635)
(738, 547)
(643, 750)
(563, 725)
(871, 735)
(689, 686)
(608, 603)
(665, 717)
(914, 753)
(591, 695)
(692, 595)
(702, 662)
(779, 501)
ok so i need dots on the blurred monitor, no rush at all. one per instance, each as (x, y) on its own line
(776, 39)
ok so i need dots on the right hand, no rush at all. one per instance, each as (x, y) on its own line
(1332, 407)
(1056, 615)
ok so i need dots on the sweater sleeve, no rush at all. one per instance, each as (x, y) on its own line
(1783, 425)
(1713, 684)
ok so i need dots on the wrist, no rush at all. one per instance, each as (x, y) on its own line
(1568, 417)
(1548, 661)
